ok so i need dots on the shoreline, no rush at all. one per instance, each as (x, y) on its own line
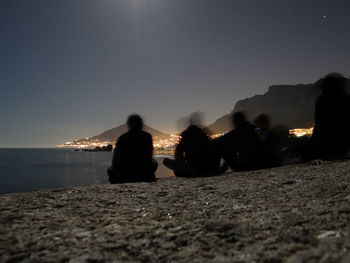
(295, 213)
(31, 170)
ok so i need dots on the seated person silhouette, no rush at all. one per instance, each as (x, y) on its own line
(241, 148)
(133, 155)
(271, 143)
(330, 139)
(195, 154)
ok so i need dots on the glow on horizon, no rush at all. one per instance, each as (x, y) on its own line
(301, 132)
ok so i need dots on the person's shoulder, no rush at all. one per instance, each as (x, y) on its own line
(192, 129)
(185, 132)
(124, 136)
(145, 135)
(229, 134)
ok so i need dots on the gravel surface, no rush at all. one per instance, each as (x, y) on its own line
(297, 213)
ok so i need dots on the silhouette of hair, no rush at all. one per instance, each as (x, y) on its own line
(333, 84)
(238, 119)
(135, 122)
(196, 118)
(182, 123)
(330, 138)
(263, 121)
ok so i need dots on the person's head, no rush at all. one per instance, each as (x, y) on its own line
(197, 118)
(238, 119)
(333, 84)
(134, 122)
(263, 122)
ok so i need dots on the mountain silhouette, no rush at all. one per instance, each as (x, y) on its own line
(114, 133)
(288, 105)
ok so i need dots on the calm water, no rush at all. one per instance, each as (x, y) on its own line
(23, 170)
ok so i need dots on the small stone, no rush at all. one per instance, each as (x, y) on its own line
(83, 234)
(328, 234)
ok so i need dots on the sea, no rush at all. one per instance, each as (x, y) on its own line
(26, 170)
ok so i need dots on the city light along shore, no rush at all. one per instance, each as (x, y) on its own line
(160, 143)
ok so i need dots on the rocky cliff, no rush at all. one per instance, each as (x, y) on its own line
(287, 105)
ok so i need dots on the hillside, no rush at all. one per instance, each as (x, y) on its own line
(109, 137)
(288, 105)
(114, 133)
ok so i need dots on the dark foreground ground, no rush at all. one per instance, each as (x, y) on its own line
(289, 214)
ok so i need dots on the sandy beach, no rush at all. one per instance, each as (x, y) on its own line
(296, 213)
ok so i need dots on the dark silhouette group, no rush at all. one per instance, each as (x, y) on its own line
(246, 147)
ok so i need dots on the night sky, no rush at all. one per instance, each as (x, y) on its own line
(73, 68)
